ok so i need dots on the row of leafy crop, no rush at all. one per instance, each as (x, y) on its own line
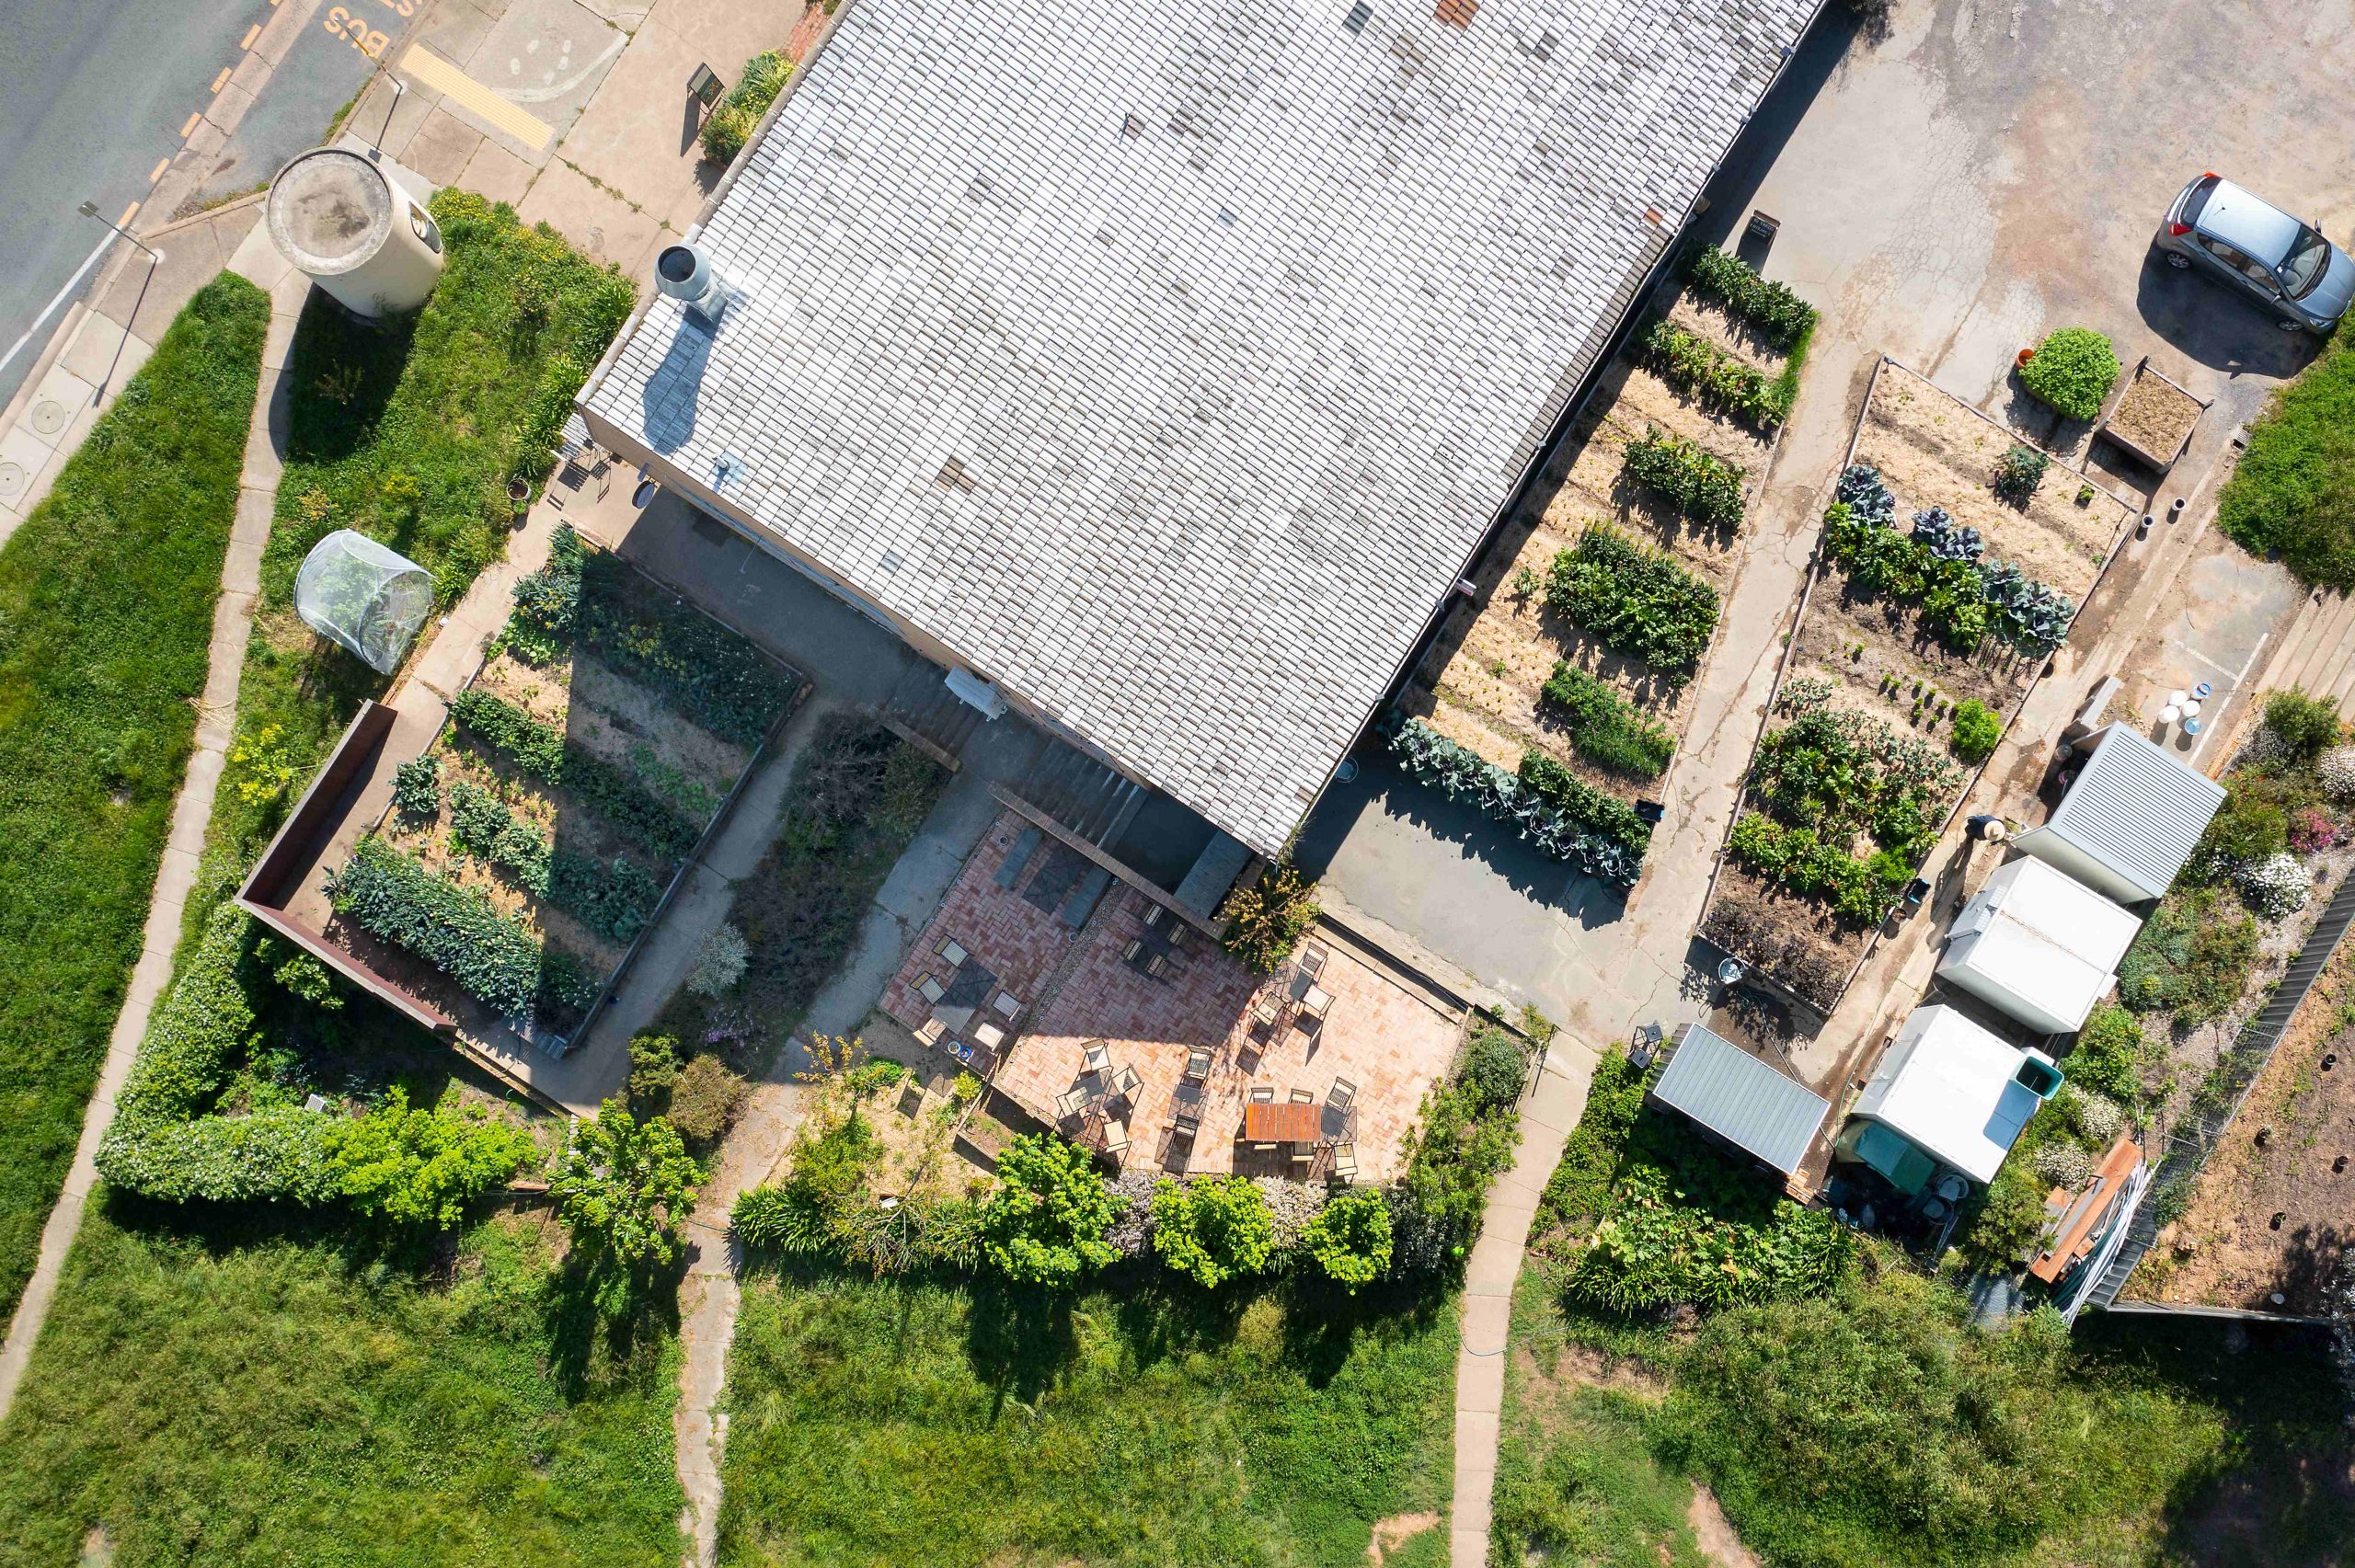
(1604, 727)
(493, 956)
(1052, 1218)
(1823, 778)
(402, 1164)
(1964, 597)
(1659, 1218)
(1635, 600)
(586, 598)
(1557, 814)
(1721, 382)
(613, 899)
(1771, 309)
(540, 752)
(1699, 484)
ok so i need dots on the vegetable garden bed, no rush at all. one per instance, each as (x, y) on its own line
(1932, 610)
(1597, 603)
(2153, 417)
(529, 849)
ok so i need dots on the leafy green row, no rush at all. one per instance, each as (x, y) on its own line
(586, 597)
(1583, 804)
(1720, 381)
(1964, 597)
(1779, 315)
(1860, 892)
(539, 752)
(1603, 727)
(1637, 600)
(1460, 773)
(1706, 488)
(459, 930)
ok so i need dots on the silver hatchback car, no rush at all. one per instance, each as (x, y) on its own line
(2288, 267)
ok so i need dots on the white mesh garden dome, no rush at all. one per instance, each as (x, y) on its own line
(371, 600)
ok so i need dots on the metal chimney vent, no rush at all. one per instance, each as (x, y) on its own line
(684, 272)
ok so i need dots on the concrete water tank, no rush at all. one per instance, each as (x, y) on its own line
(336, 216)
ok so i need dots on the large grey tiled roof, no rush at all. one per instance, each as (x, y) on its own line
(1165, 361)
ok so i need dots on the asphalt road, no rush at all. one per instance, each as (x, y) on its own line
(94, 95)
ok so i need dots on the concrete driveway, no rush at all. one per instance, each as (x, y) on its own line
(1948, 191)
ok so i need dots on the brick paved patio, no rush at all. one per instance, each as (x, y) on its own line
(1382, 1033)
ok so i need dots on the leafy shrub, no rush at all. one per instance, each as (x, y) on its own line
(1706, 488)
(482, 828)
(2018, 472)
(1976, 732)
(417, 786)
(2072, 370)
(266, 766)
(2308, 726)
(1654, 1249)
(1779, 315)
(615, 898)
(2276, 887)
(1460, 773)
(420, 1167)
(1717, 379)
(1637, 601)
(1860, 892)
(2191, 957)
(1265, 920)
(719, 962)
(2063, 1165)
(2247, 830)
(1496, 1070)
(1349, 1238)
(705, 1100)
(2335, 775)
(1605, 816)
(1603, 727)
(775, 1219)
(623, 1187)
(653, 1069)
(1045, 1221)
(2110, 1054)
(738, 113)
(1213, 1229)
(1461, 1147)
(2311, 829)
(1580, 1188)
(539, 752)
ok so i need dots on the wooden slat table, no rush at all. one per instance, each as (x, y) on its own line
(1285, 1123)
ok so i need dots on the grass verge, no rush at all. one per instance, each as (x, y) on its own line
(224, 1393)
(922, 1422)
(106, 612)
(2293, 492)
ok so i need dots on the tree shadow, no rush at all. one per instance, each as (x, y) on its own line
(1161, 1318)
(598, 1316)
(340, 375)
(1019, 1338)
(1322, 1321)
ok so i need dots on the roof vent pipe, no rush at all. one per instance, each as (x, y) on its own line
(684, 272)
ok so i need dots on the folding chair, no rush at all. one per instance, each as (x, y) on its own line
(1342, 1095)
(1155, 914)
(1302, 1156)
(1069, 1104)
(1315, 1003)
(1005, 1003)
(1185, 1124)
(1263, 1095)
(1100, 1060)
(928, 1033)
(1314, 956)
(931, 988)
(1197, 1064)
(1116, 1137)
(1156, 966)
(1303, 1097)
(1345, 1160)
(989, 1035)
(953, 951)
(1134, 950)
(1268, 1009)
(1128, 1085)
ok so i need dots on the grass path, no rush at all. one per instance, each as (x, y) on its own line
(108, 607)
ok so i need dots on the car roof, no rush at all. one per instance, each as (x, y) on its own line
(2248, 223)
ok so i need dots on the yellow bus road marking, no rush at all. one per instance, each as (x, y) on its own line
(161, 165)
(222, 80)
(124, 222)
(433, 72)
(189, 128)
(251, 33)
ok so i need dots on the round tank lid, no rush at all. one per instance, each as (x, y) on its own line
(330, 211)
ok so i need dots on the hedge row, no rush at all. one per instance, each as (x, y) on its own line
(539, 752)
(1775, 313)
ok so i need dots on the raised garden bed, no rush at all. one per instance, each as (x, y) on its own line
(1930, 593)
(528, 851)
(1638, 515)
(2152, 417)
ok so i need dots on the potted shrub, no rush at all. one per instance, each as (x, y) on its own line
(2072, 370)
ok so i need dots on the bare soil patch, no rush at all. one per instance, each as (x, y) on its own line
(2154, 414)
(1393, 1532)
(1713, 1532)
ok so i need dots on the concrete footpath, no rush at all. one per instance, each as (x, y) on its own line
(1552, 1109)
(192, 809)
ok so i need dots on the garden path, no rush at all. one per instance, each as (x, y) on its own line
(192, 809)
(1548, 1116)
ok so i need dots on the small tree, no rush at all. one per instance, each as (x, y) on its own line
(1212, 1230)
(653, 1069)
(1046, 1220)
(705, 1100)
(2308, 726)
(1976, 730)
(1495, 1070)
(420, 1167)
(624, 1185)
(1265, 920)
(1351, 1239)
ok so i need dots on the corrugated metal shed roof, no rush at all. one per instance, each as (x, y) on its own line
(1164, 361)
(2136, 809)
(1741, 1099)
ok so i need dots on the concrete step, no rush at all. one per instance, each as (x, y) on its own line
(2333, 661)
(2320, 630)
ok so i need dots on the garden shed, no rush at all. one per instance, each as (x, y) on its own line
(1748, 1102)
(2130, 819)
(1947, 1095)
(2040, 945)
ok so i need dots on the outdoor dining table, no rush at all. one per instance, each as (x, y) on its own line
(1290, 1123)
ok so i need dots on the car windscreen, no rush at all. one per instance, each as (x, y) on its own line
(2308, 260)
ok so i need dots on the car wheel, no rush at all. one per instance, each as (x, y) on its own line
(2290, 325)
(2180, 261)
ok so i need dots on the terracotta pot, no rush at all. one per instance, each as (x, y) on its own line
(2024, 356)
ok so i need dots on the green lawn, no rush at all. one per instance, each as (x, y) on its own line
(928, 1424)
(2294, 491)
(1870, 1423)
(106, 610)
(212, 1394)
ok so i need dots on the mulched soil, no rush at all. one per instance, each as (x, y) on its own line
(2154, 414)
